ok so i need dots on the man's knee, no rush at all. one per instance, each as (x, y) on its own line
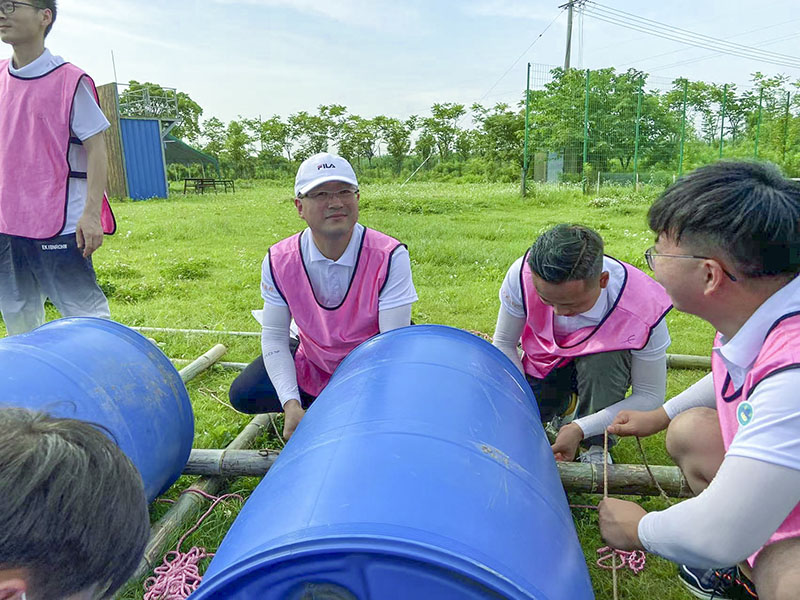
(688, 433)
(776, 575)
(603, 379)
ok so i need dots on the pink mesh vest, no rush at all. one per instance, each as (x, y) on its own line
(781, 351)
(328, 334)
(640, 306)
(35, 140)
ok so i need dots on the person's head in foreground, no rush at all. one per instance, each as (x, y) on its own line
(725, 229)
(73, 512)
(326, 195)
(566, 263)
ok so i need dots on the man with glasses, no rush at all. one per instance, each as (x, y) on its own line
(341, 282)
(728, 250)
(590, 327)
(53, 211)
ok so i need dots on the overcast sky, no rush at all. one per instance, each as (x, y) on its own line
(265, 57)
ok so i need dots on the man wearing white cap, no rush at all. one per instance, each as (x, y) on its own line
(341, 282)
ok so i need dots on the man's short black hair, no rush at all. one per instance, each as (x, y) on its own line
(567, 253)
(52, 5)
(73, 512)
(746, 209)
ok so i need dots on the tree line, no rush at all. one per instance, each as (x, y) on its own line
(614, 117)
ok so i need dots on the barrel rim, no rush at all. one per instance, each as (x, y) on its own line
(384, 546)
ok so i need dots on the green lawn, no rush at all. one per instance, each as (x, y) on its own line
(194, 262)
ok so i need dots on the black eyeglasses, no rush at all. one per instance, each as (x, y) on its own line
(8, 8)
(650, 253)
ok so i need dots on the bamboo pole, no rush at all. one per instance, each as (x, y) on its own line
(189, 505)
(232, 366)
(674, 361)
(575, 477)
(200, 364)
(688, 361)
(208, 331)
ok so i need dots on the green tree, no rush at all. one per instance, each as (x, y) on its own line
(442, 126)
(214, 134)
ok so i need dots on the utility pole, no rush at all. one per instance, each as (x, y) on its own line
(569, 34)
(569, 6)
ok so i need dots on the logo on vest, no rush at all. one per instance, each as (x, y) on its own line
(325, 166)
(54, 246)
(744, 413)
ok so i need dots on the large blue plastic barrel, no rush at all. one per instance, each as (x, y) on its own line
(103, 372)
(421, 472)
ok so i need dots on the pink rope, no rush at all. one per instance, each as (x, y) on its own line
(176, 579)
(635, 560)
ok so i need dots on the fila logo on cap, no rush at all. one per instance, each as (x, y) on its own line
(325, 166)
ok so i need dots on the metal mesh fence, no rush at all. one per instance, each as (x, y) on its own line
(603, 127)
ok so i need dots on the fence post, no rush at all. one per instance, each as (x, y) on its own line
(758, 123)
(636, 141)
(683, 126)
(585, 132)
(786, 127)
(525, 148)
(722, 120)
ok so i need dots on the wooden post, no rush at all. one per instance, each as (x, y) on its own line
(109, 104)
(688, 361)
(575, 477)
(202, 363)
(189, 505)
(231, 366)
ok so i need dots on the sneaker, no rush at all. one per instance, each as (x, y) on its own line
(717, 584)
(594, 455)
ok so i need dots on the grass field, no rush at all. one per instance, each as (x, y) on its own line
(194, 262)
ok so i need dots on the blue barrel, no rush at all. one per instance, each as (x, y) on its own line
(422, 471)
(103, 372)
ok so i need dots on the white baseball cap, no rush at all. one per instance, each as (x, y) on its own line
(321, 168)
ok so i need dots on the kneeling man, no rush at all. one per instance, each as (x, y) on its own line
(340, 281)
(589, 324)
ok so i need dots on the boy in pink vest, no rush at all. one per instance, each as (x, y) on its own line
(53, 210)
(341, 282)
(588, 323)
(728, 250)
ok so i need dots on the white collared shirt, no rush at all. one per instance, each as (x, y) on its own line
(330, 279)
(511, 299)
(87, 120)
(758, 483)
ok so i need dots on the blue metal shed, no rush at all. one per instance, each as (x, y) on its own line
(144, 158)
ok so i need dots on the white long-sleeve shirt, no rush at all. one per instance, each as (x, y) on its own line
(330, 280)
(648, 365)
(758, 483)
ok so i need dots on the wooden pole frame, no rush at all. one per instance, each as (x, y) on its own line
(575, 477)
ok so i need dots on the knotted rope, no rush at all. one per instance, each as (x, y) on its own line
(177, 578)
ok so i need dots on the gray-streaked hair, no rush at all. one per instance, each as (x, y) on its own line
(748, 210)
(567, 253)
(73, 512)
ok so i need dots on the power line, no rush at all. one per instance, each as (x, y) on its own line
(679, 50)
(794, 63)
(678, 32)
(707, 56)
(489, 91)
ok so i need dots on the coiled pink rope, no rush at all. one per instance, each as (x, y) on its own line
(176, 579)
(635, 560)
